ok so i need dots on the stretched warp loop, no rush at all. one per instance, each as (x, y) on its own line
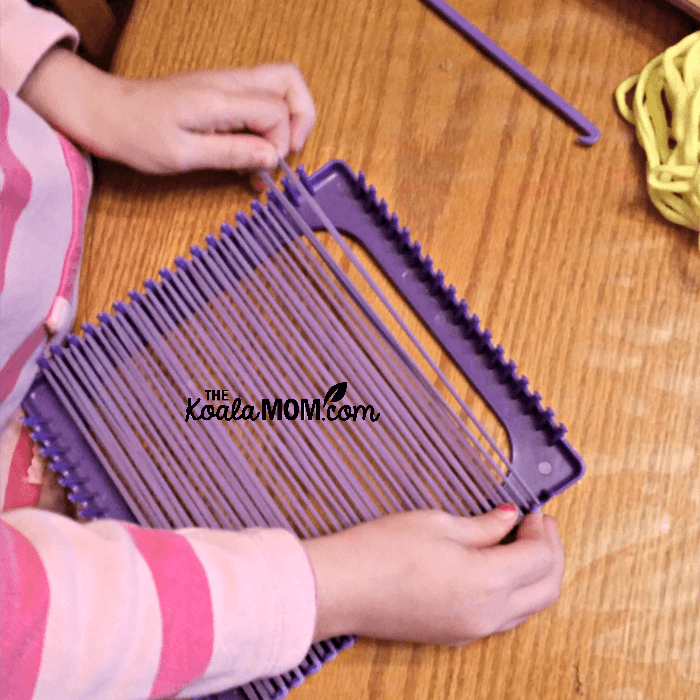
(666, 113)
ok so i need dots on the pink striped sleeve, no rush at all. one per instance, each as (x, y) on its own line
(185, 608)
(26, 34)
(11, 371)
(24, 603)
(44, 192)
(81, 183)
(16, 190)
(123, 612)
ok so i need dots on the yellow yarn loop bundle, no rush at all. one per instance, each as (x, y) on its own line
(666, 113)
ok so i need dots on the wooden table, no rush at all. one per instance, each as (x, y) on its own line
(556, 247)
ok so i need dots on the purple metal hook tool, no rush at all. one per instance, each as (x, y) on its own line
(591, 133)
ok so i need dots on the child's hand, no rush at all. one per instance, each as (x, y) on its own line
(241, 119)
(427, 576)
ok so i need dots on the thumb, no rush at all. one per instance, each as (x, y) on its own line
(489, 529)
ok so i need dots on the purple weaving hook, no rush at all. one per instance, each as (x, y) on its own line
(591, 133)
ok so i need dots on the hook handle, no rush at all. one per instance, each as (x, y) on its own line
(591, 133)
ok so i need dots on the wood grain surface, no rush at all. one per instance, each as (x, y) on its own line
(556, 247)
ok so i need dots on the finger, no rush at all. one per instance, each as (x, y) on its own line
(558, 546)
(531, 599)
(228, 152)
(532, 527)
(266, 115)
(512, 623)
(489, 529)
(536, 553)
(286, 81)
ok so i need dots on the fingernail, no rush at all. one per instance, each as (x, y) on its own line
(506, 510)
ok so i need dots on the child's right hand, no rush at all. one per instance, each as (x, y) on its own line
(239, 119)
(427, 576)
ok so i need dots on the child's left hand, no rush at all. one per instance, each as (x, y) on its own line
(427, 576)
(241, 119)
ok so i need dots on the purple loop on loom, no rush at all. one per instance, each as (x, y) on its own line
(312, 665)
(293, 678)
(70, 481)
(61, 467)
(91, 511)
(121, 308)
(79, 495)
(33, 422)
(212, 241)
(39, 435)
(196, 252)
(151, 285)
(57, 350)
(165, 274)
(226, 229)
(305, 179)
(89, 329)
(345, 642)
(331, 651)
(291, 192)
(51, 451)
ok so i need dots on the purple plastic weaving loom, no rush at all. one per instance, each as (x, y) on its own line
(266, 312)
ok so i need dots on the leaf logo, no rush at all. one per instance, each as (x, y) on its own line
(335, 393)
